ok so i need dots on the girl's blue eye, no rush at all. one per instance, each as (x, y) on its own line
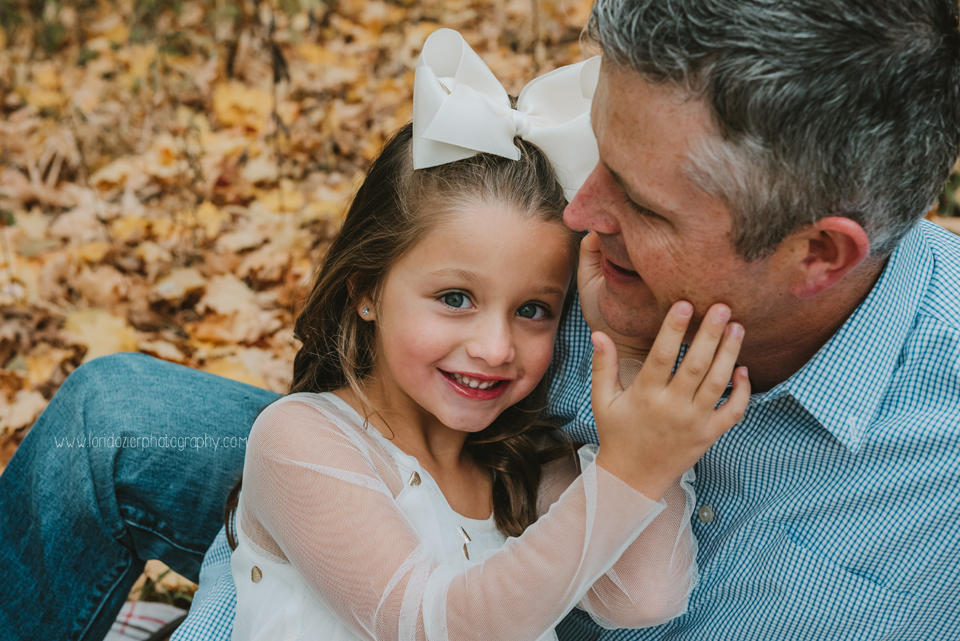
(455, 299)
(530, 310)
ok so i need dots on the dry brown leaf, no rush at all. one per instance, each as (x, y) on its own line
(103, 285)
(22, 411)
(162, 349)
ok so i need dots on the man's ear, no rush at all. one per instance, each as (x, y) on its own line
(826, 251)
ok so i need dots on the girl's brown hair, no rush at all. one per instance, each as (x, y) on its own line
(393, 209)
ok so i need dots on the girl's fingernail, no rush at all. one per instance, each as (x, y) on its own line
(684, 309)
(736, 330)
(597, 346)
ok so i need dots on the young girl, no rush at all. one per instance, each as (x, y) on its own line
(407, 488)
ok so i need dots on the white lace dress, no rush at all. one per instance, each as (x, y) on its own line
(342, 536)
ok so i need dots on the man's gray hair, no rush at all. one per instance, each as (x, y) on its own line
(825, 107)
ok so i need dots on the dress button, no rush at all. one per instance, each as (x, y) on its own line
(705, 513)
(256, 574)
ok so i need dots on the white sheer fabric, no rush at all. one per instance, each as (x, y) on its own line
(342, 536)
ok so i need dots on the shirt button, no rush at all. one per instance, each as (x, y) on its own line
(705, 513)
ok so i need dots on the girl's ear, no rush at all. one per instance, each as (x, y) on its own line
(365, 308)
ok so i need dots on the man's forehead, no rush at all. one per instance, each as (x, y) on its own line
(647, 134)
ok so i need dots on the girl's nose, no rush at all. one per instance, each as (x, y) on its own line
(592, 206)
(492, 342)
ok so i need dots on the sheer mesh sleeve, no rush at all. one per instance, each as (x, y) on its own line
(652, 581)
(317, 493)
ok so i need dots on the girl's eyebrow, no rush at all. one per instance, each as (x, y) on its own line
(547, 290)
(462, 274)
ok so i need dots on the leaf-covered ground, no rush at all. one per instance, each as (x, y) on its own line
(169, 171)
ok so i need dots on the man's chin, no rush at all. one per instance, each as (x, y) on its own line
(631, 320)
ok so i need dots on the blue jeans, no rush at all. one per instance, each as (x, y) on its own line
(132, 460)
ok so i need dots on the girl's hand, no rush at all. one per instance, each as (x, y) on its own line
(658, 427)
(589, 284)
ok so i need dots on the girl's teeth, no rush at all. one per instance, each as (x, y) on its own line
(473, 384)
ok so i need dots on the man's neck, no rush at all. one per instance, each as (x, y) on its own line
(782, 349)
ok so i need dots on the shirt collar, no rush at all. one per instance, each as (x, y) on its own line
(842, 385)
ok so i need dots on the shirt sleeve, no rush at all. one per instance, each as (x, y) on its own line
(317, 495)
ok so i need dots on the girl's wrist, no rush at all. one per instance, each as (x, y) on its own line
(638, 476)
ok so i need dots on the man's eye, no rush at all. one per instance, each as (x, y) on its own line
(640, 211)
(455, 299)
(531, 310)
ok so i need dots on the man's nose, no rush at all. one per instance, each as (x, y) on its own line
(492, 341)
(592, 206)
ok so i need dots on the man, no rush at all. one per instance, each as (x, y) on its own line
(776, 157)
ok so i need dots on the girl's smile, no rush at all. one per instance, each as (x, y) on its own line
(479, 387)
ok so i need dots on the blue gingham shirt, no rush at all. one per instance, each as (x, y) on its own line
(832, 511)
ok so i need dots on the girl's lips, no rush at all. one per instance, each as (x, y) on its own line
(618, 275)
(475, 393)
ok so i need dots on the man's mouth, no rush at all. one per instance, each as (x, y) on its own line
(617, 274)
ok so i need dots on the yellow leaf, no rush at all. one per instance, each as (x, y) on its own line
(234, 369)
(315, 54)
(286, 199)
(101, 332)
(95, 251)
(43, 361)
(239, 106)
(129, 228)
(210, 219)
(178, 284)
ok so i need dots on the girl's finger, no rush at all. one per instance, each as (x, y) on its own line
(666, 348)
(724, 362)
(606, 372)
(590, 251)
(698, 359)
(731, 412)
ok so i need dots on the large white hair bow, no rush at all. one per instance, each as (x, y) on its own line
(460, 110)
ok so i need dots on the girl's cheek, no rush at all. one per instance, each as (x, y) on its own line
(541, 355)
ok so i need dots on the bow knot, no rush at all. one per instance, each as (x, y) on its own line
(520, 123)
(460, 110)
